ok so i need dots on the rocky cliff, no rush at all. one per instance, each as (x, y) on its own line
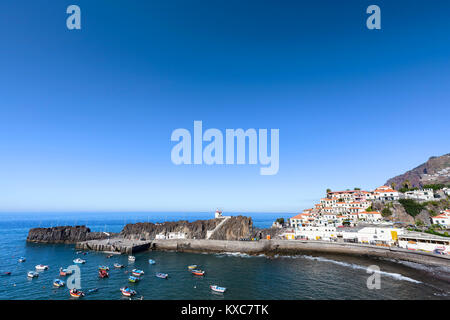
(232, 229)
(63, 234)
(435, 171)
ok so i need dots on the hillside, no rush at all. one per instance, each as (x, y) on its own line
(435, 171)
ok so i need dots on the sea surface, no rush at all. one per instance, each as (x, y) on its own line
(245, 277)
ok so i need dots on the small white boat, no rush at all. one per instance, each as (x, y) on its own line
(32, 274)
(131, 258)
(218, 289)
(41, 267)
(79, 261)
(22, 259)
(162, 275)
(118, 265)
(151, 261)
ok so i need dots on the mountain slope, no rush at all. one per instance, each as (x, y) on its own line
(435, 170)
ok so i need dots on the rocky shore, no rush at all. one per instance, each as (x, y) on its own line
(64, 234)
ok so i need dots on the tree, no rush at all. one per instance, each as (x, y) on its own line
(280, 221)
(328, 190)
(393, 185)
(386, 212)
(357, 189)
(407, 184)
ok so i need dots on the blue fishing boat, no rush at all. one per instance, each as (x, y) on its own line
(58, 283)
(128, 292)
(162, 275)
(133, 279)
(22, 259)
(137, 272)
(103, 268)
(151, 261)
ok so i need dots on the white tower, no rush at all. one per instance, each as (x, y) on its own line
(218, 214)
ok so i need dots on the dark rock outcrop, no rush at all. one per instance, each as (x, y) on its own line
(148, 230)
(429, 172)
(234, 228)
(63, 234)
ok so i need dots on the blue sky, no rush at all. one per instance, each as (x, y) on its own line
(86, 116)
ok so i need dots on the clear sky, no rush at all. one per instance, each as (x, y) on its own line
(86, 116)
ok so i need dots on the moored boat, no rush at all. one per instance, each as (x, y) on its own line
(193, 266)
(131, 258)
(151, 261)
(22, 259)
(41, 267)
(218, 289)
(198, 272)
(103, 268)
(58, 283)
(162, 275)
(133, 279)
(75, 293)
(137, 273)
(103, 273)
(128, 292)
(118, 265)
(32, 274)
(79, 261)
(64, 272)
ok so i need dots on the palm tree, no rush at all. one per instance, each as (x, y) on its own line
(407, 184)
(393, 185)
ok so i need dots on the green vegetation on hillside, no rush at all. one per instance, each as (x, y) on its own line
(386, 212)
(412, 207)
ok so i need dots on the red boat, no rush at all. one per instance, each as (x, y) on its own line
(103, 274)
(198, 272)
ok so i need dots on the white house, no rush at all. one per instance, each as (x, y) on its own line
(160, 236)
(420, 195)
(374, 235)
(177, 235)
(443, 219)
(386, 193)
(372, 216)
(316, 233)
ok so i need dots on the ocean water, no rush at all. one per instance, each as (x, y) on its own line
(245, 277)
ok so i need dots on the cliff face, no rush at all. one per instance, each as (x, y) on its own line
(148, 231)
(63, 234)
(435, 171)
(233, 228)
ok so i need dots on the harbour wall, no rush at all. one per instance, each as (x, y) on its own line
(267, 247)
(292, 247)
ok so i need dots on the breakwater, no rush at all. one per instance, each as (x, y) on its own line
(267, 247)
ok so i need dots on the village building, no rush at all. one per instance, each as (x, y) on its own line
(442, 219)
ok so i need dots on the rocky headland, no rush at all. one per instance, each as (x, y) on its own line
(64, 234)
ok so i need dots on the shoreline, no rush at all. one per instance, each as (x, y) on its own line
(266, 247)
